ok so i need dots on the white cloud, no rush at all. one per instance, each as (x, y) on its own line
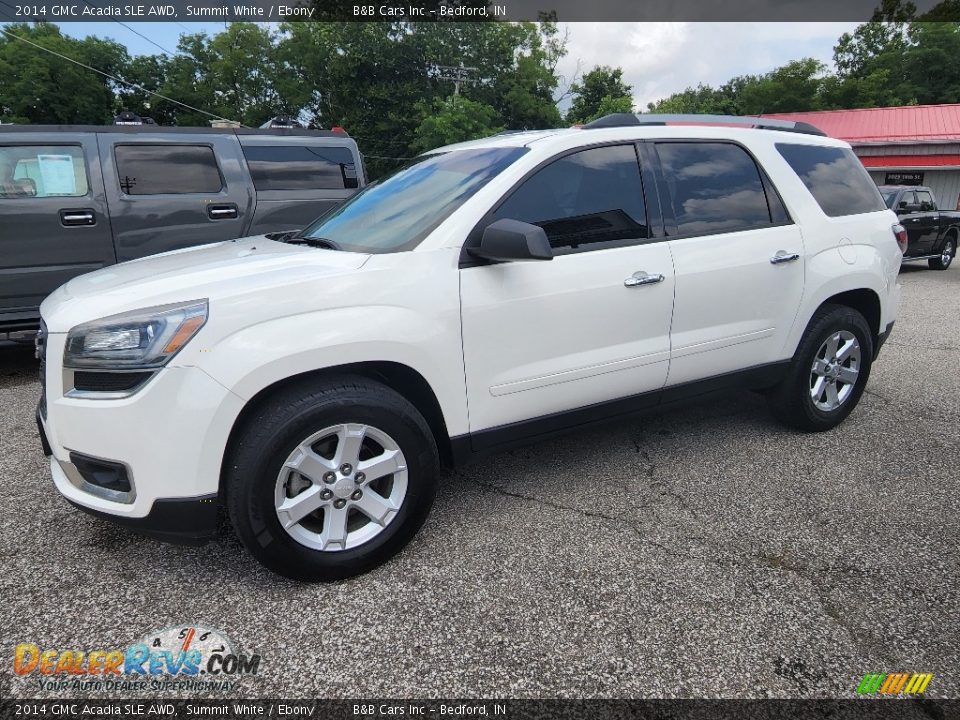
(659, 59)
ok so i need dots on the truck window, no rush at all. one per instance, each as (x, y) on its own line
(925, 199)
(589, 200)
(716, 187)
(167, 169)
(298, 167)
(835, 177)
(39, 171)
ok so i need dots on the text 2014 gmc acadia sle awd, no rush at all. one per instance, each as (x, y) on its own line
(489, 293)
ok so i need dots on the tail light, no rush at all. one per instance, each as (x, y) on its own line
(900, 233)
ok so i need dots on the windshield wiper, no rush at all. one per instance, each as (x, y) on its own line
(318, 242)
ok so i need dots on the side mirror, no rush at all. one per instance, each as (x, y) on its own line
(510, 240)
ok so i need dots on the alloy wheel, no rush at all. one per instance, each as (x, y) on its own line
(341, 487)
(836, 367)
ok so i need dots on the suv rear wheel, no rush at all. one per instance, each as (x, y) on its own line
(329, 480)
(828, 373)
(947, 254)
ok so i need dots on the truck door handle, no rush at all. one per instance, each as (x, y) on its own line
(783, 256)
(73, 218)
(642, 278)
(222, 212)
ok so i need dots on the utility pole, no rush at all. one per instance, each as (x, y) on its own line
(457, 74)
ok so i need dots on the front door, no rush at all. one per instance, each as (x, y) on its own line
(592, 324)
(53, 216)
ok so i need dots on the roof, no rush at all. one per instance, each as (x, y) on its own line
(909, 124)
(170, 130)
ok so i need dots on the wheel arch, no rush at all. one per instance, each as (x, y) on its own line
(398, 377)
(866, 302)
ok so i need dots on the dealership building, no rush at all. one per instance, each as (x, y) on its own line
(914, 145)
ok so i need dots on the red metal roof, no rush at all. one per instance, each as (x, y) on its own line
(914, 123)
(902, 161)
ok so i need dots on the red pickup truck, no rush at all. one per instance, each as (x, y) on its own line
(932, 235)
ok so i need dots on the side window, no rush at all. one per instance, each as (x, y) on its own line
(716, 187)
(835, 177)
(926, 201)
(167, 169)
(299, 167)
(38, 171)
(584, 201)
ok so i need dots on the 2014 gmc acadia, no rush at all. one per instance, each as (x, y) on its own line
(488, 293)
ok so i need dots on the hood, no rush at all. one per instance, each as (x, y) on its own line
(220, 270)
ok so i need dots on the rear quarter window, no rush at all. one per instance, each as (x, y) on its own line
(301, 167)
(835, 177)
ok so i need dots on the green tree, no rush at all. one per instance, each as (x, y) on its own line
(603, 83)
(39, 87)
(453, 120)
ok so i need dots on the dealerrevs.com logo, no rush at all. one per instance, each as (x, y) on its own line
(176, 658)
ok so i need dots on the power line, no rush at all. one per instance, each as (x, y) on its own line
(112, 77)
(135, 32)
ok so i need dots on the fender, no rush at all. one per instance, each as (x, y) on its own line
(829, 273)
(265, 353)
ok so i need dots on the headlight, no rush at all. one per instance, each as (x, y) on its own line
(145, 338)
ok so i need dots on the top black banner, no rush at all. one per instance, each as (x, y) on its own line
(460, 10)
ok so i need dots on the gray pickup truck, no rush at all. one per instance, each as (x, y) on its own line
(932, 234)
(74, 199)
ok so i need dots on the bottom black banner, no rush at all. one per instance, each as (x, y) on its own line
(504, 709)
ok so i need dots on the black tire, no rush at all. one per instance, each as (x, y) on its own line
(273, 431)
(791, 400)
(947, 253)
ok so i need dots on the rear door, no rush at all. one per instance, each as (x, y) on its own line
(298, 178)
(173, 190)
(738, 260)
(53, 217)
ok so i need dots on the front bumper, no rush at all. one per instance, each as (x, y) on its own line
(169, 437)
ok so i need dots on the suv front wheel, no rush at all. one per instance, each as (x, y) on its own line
(828, 373)
(328, 480)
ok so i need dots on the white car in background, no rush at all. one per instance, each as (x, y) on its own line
(490, 293)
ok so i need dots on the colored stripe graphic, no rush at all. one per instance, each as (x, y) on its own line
(894, 683)
(187, 640)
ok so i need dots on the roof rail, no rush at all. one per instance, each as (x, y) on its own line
(760, 123)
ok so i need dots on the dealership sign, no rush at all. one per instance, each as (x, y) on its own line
(903, 178)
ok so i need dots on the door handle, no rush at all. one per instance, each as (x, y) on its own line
(642, 278)
(73, 218)
(783, 256)
(222, 212)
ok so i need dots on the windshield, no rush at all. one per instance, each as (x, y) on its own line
(398, 212)
(889, 196)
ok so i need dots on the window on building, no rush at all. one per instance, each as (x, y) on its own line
(835, 177)
(38, 171)
(584, 201)
(167, 169)
(299, 167)
(716, 187)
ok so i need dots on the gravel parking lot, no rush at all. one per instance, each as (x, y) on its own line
(707, 552)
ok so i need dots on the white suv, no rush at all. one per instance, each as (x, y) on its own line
(487, 294)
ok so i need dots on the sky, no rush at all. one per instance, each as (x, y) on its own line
(657, 58)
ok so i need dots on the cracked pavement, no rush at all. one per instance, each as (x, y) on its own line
(707, 552)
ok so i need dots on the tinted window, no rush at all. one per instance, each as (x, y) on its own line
(835, 177)
(398, 212)
(167, 169)
(42, 171)
(296, 167)
(926, 201)
(890, 197)
(715, 187)
(593, 196)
